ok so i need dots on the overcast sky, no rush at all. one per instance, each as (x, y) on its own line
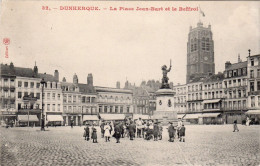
(119, 45)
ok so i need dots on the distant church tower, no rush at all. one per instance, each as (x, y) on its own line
(200, 52)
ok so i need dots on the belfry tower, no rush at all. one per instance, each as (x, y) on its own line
(200, 52)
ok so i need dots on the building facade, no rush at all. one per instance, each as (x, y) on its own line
(180, 98)
(114, 103)
(253, 69)
(212, 95)
(8, 109)
(235, 90)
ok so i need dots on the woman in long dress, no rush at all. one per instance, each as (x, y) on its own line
(107, 129)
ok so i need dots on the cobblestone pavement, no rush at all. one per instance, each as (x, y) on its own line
(205, 145)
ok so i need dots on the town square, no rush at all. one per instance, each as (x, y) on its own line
(204, 145)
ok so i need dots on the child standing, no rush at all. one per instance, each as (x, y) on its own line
(107, 132)
(182, 133)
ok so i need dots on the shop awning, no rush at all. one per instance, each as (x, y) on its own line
(26, 118)
(211, 101)
(90, 117)
(210, 115)
(112, 116)
(189, 116)
(137, 116)
(212, 109)
(54, 118)
(253, 112)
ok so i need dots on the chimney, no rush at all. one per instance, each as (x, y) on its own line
(56, 75)
(126, 85)
(118, 85)
(90, 79)
(63, 79)
(239, 60)
(227, 64)
(11, 65)
(35, 69)
(249, 52)
(75, 79)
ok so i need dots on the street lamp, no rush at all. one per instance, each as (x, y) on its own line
(42, 115)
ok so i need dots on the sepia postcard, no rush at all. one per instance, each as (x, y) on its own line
(153, 83)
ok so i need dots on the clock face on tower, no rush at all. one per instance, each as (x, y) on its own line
(206, 58)
(194, 59)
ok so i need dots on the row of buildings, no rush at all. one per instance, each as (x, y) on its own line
(223, 97)
(23, 93)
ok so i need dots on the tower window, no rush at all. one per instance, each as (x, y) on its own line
(207, 46)
(203, 45)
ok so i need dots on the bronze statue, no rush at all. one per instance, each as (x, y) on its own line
(165, 84)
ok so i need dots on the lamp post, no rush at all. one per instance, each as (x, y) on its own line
(42, 115)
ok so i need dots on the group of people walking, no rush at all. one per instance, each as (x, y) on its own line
(148, 130)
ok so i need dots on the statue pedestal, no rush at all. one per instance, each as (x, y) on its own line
(165, 106)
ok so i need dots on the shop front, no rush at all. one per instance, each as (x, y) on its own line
(28, 120)
(90, 119)
(254, 116)
(189, 118)
(113, 117)
(7, 119)
(33, 114)
(211, 118)
(54, 120)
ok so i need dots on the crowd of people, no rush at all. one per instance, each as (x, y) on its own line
(146, 129)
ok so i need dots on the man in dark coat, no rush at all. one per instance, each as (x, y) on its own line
(155, 131)
(102, 129)
(94, 134)
(71, 123)
(132, 130)
(171, 132)
(117, 132)
(86, 132)
(122, 129)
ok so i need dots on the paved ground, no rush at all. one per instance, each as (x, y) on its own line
(205, 145)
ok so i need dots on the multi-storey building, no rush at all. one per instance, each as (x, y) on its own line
(88, 101)
(8, 110)
(235, 90)
(212, 95)
(53, 100)
(72, 102)
(26, 94)
(194, 100)
(144, 102)
(29, 96)
(253, 69)
(180, 98)
(194, 97)
(114, 103)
